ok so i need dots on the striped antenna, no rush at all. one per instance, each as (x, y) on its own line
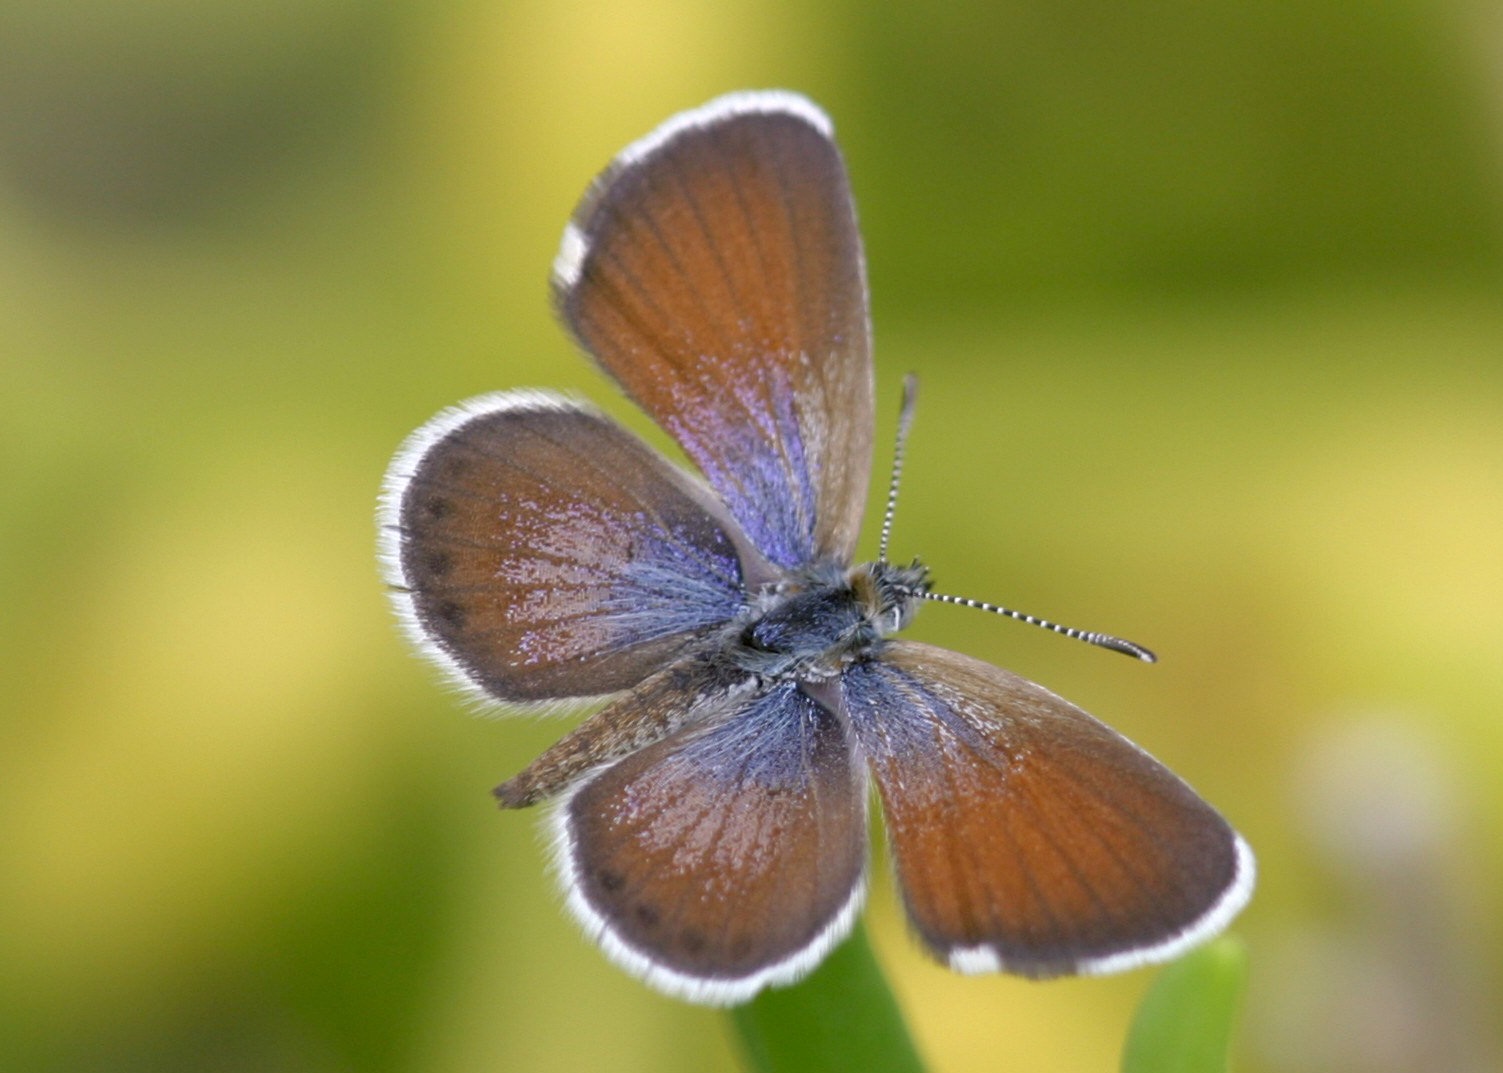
(905, 422)
(1100, 640)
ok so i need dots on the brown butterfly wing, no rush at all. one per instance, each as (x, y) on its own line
(1027, 836)
(715, 271)
(537, 551)
(727, 856)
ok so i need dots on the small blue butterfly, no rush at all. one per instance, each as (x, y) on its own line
(711, 819)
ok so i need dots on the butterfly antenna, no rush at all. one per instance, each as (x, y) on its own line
(1100, 640)
(905, 422)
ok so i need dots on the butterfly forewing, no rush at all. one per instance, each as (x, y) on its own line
(715, 271)
(539, 551)
(727, 856)
(1026, 835)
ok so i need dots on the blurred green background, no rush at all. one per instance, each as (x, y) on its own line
(1206, 302)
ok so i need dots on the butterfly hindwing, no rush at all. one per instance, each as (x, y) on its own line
(727, 856)
(538, 551)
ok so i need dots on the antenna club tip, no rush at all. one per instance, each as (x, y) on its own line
(1132, 648)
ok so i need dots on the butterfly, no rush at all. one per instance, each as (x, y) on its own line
(711, 820)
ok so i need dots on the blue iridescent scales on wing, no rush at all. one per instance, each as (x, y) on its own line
(717, 276)
(779, 514)
(682, 858)
(710, 820)
(539, 552)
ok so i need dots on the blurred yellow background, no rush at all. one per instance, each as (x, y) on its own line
(1206, 303)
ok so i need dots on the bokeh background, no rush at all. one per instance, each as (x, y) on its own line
(1206, 301)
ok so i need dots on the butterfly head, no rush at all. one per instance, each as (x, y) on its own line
(889, 593)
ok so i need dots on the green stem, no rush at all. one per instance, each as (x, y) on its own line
(842, 1018)
(1184, 1023)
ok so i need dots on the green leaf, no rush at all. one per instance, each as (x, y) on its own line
(842, 1018)
(1184, 1023)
